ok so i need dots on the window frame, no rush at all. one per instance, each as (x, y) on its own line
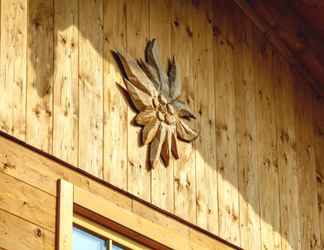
(88, 211)
(106, 233)
(75, 203)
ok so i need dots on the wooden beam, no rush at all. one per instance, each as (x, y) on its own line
(64, 215)
(289, 35)
(136, 227)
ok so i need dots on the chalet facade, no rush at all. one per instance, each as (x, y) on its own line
(250, 173)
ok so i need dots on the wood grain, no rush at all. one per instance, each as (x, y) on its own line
(139, 177)
(184, 168)
(40, 74)
(287, 158)
(160, 28)
(13, 52)
(66, 83)
(266, 148)
(43, 173)
(226, 141)
(91, 86)
(259, 144)
(65, 198)
(245, 100)
(115, 105)
(307, 202)
(204, 98)
(28, 202)
(29, 236)
(318, 107)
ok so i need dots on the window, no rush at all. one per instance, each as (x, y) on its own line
(84, 240)
(88, 235)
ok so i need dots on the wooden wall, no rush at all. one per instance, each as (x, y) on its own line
(28, 202)
(251, 177)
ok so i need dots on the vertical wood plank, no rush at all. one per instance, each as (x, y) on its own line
(160, 28)
(206, 176)
(40, 74)
(226, 149)
(64, 215)
(139, 181)
(66, 84)
(287, 159)
(184, 168)
(318, 105)
(13, 67)
(115, 105)
(267, 147)
(245, 95)
(308, 204)
(91, 86)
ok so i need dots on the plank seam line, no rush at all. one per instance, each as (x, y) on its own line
(113, 188)
(26, 183)
(28, 221)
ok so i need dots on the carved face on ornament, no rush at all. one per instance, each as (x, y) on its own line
(155, 96)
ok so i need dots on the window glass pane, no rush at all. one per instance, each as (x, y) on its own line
(86, 241)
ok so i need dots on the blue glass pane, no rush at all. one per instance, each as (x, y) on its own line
(85, 241)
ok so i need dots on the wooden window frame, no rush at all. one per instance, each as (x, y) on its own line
(110, 236)
(77, 206)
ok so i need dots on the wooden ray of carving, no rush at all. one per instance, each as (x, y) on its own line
(185, 133)
(150, 72)
(140, 99)
(136, 76)
(174, 144)
(166, 147)
(145, 117)
(183, 110)
(153, 58)
(149, 131)
(156, 146)
(174, 80)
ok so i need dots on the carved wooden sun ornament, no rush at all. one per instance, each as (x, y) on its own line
(155, 96)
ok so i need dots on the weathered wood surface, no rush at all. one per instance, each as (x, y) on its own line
(206, 174)
(160, 28)
(318, 107)
(138, 176)
(13, 51)
(91, 86)
(115, 107)
(267, 147)
(38, 174)
(66, 84)
(249, 178)
(39, 107)
(295, 30)
(245, 101)
(27, 202)
(17, 233)
(225, 124)
(184, 169)
(287, 158)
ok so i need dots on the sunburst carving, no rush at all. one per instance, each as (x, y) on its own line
(155, 95)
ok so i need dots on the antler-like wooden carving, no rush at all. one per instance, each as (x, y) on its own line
(155, 96)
